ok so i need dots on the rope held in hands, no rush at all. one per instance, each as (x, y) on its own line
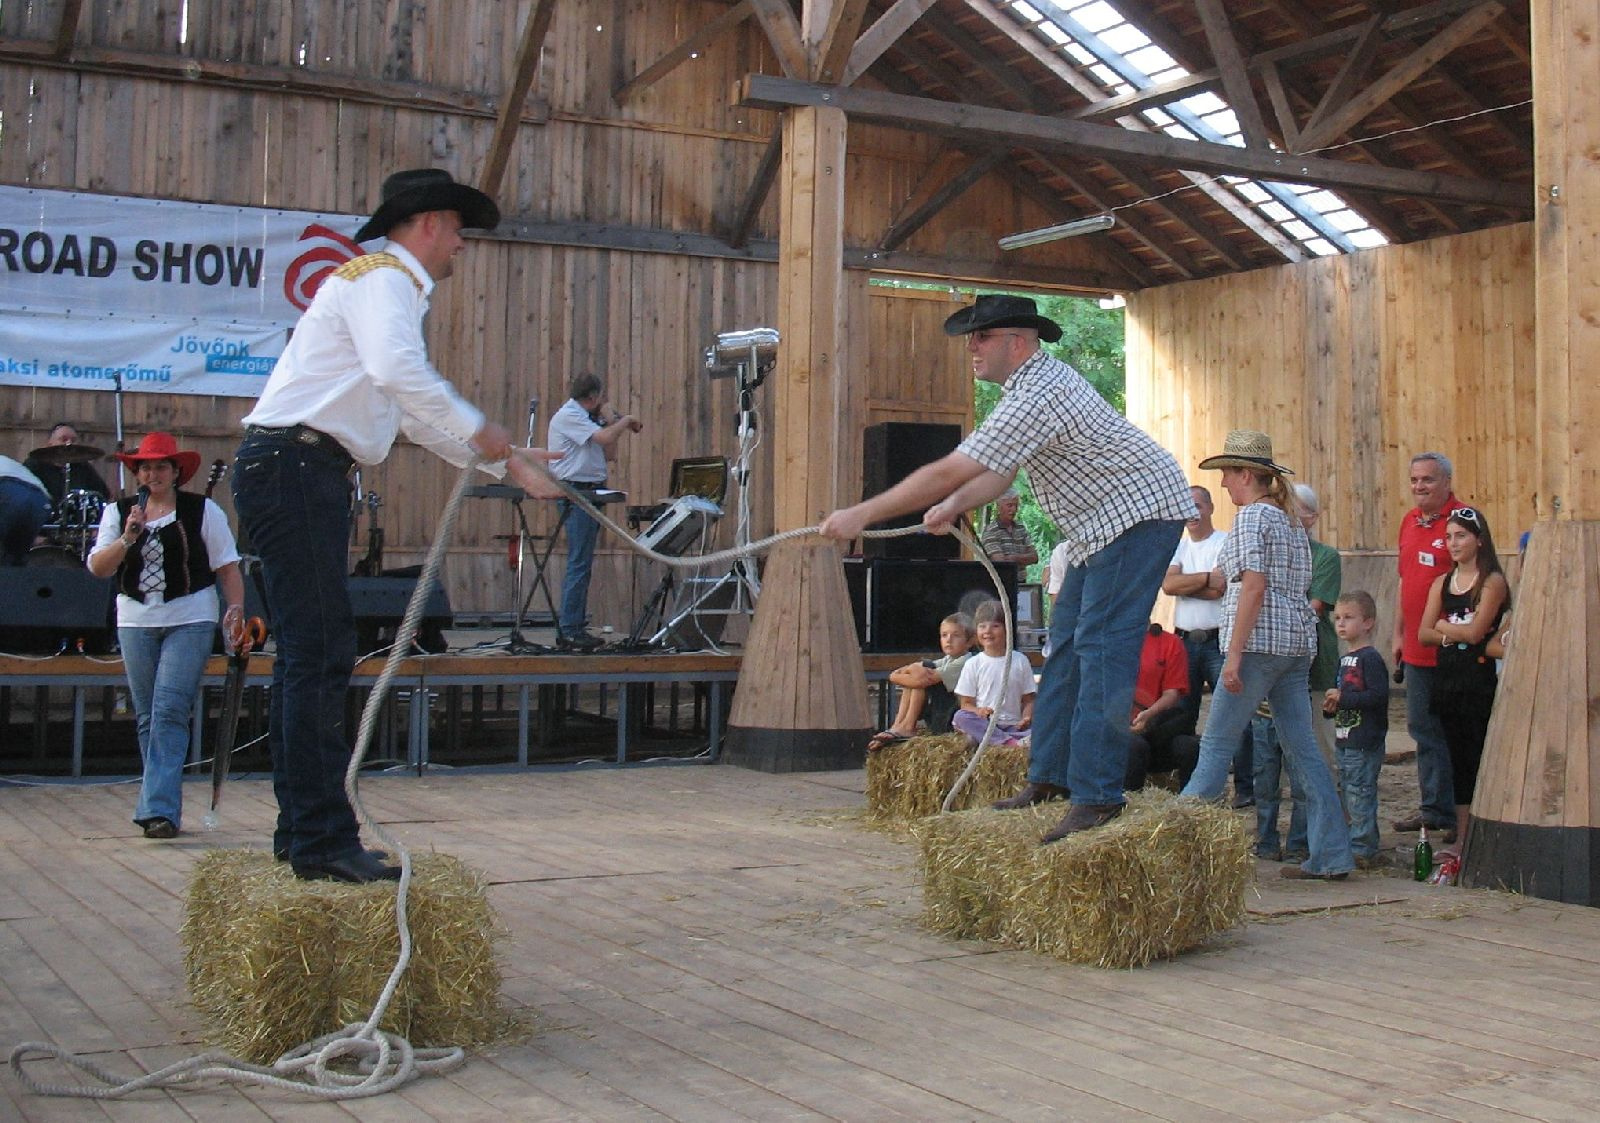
(384, 1061)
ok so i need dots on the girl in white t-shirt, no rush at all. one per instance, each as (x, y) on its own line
(992, 684)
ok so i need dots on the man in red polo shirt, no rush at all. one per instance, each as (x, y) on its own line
(1161, 721)
(1422, 559)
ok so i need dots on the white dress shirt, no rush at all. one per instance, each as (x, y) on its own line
(357, 369)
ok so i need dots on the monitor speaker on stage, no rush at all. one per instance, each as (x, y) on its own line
(898, 602)
(43, 608)
(891, 451)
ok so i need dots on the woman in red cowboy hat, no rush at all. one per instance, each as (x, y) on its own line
(167, 550)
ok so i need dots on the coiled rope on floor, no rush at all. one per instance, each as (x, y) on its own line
(384, 1061)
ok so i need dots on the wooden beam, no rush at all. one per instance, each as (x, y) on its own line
(971, 123)
(67, 27)
(833, 53)
(881, 36)
(638, 239)
(1136, 101)
(1001, 21)
(1350, 76)
(783, 32)
(1129, 220)
(697, 41)
(294, 81)
(509, 118)
(952, 173)
(1282, 108)
(1235, 79)
(744, 220)
(1400, 76)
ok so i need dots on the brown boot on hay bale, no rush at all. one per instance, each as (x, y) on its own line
(909, 779)
(274, 961)
(1160, 879)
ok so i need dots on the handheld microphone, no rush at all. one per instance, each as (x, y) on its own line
(144, 496)
(533, 413)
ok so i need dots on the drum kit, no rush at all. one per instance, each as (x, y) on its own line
(74, 522)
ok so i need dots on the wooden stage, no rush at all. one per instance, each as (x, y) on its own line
(717, 944)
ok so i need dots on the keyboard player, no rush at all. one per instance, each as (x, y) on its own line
(587, 433)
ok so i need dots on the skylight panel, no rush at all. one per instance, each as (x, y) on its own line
(1346, 220)
(1321, 247)
(1180, 131)
(1104, 74)
(1095, 17)
(1366, 239)
(1203, 102)
(1027, 11)
(1299, 230)
(1125, 38)
(1252, 191)
(1079, 53)
(1276, 211)
(1324, 201)
(1152, 59)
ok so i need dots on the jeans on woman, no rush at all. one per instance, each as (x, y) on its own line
(164, 666)
(1080, 717)
(1282, 681)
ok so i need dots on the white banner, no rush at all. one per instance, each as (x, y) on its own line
(185, 298)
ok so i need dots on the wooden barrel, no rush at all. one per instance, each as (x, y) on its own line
(1536, 809)
(801, 702)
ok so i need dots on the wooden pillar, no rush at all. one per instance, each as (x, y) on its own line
(801, 704)
(1536, 810)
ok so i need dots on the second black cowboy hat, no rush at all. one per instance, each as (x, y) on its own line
(421, 190)
(1002, 312)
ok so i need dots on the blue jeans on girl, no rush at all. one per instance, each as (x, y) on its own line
(164, 666)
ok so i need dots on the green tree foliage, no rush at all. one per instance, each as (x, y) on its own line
(1092, 343)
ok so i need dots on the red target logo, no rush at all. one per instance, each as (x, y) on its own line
(330, 249)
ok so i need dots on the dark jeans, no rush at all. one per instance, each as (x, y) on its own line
(293, 501)
(1167, 745)
(23, 510)
(1434, 776)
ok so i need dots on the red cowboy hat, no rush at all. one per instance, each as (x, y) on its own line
(162, 446)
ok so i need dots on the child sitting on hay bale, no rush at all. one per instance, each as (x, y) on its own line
(927, 688)
(995, 684)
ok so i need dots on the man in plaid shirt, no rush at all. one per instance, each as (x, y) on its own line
(1120, 501)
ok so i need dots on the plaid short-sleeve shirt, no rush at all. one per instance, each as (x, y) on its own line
(1264, 541)
(1094, 472)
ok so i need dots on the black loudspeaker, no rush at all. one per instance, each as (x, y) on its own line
(379, 604)
(44, 608)
(898, 602)
(889, 453)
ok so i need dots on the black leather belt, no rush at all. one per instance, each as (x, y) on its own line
(303, 434)
(1198, 635)
(584, 485)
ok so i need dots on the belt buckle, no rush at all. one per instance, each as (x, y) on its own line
(307, 436)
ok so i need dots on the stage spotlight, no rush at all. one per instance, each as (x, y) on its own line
(734, 349)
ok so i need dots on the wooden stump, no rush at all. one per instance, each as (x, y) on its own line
(1536, 810)
(801, 703)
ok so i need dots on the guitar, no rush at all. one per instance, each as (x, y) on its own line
(219, 468)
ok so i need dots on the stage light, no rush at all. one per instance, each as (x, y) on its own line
(736, 348)
(1091, 225)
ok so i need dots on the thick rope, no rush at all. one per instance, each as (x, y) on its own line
(384, 1061)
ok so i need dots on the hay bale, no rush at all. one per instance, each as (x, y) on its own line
(274, 961)
(1162, 878)
(909, 779)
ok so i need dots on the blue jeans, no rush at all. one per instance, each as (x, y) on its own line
(582, 531)
(1086, 687)
(1434, 777)
(164, 666)
(1205, 669)
(23, 510)
(1358, 769)
(1269, 762)
(1282, 681)
(294, 504)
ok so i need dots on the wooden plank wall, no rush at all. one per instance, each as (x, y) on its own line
(518, 319)
(1353, 365)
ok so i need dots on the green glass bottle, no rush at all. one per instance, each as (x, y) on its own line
(1422, 858)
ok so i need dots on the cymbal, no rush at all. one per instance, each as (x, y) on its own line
(60, 455)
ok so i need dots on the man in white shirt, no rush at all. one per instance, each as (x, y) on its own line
(587, 440)
(1196, 585)
(354, 376)
(24, 506)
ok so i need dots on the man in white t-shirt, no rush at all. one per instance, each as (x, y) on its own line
(1196, 584)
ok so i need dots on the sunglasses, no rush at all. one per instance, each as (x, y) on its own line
(1468, 515)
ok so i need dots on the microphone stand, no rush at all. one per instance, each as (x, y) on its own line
(116, 400)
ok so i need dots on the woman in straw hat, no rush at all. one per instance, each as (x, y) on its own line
(169, 551)
(1268, 639)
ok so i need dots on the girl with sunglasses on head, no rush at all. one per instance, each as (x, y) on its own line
(1464, 610)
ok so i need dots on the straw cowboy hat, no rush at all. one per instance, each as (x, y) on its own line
(1246, 448)
(1002, 312)
(162, 446)
(421, 190)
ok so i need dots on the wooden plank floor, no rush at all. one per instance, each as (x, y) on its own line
(706, 943)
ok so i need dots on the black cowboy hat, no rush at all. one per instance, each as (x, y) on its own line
(1002, 312)
(421, 190)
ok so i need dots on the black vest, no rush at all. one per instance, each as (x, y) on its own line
(187, 566)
